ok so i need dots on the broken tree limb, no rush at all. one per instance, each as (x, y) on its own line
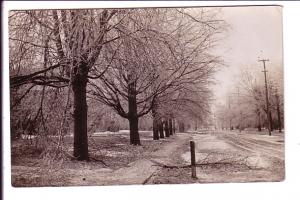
(147, 179)
(215, 164)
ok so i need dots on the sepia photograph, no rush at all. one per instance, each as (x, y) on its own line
(144, 96)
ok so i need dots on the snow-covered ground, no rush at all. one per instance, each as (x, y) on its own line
(221, 157)
(261, 155)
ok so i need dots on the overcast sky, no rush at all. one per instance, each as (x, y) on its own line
(254, 32)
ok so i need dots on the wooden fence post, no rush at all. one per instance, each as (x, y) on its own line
(193, 159)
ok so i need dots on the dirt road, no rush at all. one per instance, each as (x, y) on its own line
(270, 146)
(253, 157)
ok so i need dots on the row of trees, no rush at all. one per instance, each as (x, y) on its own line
(134, 61)
(246, 104)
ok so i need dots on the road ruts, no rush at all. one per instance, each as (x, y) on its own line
(247, 143)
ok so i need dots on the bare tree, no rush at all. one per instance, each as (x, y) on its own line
(251, 99)
(73, 40)
(156, 58)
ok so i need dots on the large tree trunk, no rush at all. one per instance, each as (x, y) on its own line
(161, 129)
(155, 126)
(132, 115)
(155, 122)
(170, 126)
(167, 128)
(134, 131)
(80, 115)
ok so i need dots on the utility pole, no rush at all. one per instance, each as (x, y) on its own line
(267, 96)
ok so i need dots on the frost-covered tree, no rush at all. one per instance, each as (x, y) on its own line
(248, 104)
(161, 51)
(61, 48)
